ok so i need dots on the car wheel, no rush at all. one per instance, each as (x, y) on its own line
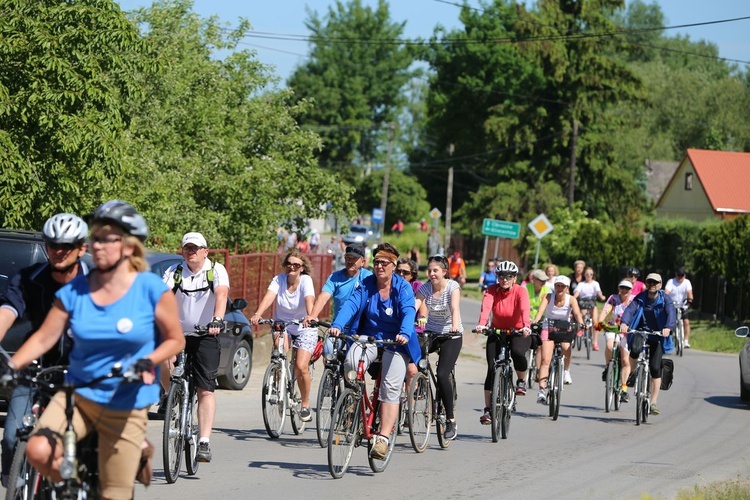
(239, 367)
(744, 389)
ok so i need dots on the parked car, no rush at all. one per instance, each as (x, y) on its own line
(743, 332)
(358, 234)
(236, 341)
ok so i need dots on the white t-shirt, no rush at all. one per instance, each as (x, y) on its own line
(196, 308)
(291, 305)
(439, 317)
(586, 290)
(678, 291)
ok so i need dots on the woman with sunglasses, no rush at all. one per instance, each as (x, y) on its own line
(586, 294)
(294, 294)
(440, 296)
(611, 316)
(383, 307)
(409, 270)
(509, 304)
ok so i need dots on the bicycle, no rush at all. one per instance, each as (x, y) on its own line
(330, 387)
(181, 432)
(560, 332)
(612, 384)
(533, 370)
(503, 396)
(79, 468)
(24, 481)
(280, 393)
(587, 338)
(679, 332)
(424, 404)
(356, 417)
(643, 377)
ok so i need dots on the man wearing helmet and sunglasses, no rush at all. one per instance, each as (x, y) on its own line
(31, 293)
(509, 304)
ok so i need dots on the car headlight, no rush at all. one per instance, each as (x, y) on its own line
(359, 239)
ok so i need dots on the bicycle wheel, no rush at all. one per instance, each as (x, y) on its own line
(344, 433)
(646, 397)
(551, 388)
(616, 377)
(639, 395)
(402, 421)
(419, 412)
(679, 338)
(172, 435)
(496, 403)
(325, 405)
(578, 342)
(295, 405)
(532, 372)
(191, 439)
(589, 340)
(558, 389)
(610, 391)
(508, 395)
(440, 420)
(273, 400)
(23, 478)
(376, 464)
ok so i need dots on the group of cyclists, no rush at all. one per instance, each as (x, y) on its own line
(94, 319)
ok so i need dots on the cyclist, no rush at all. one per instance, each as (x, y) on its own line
(611, 317)
(632, 274)
(118, 312)
(537, 289)
(409, 270)
(652, 309)
(31, 293)
(509, 304)
(294, 295)
(576, 276)
(383, 307)
(340, 285)
(558, 305)
(202, 290)
(441, 297)
(488, 277)
(589, 290)
(457, 268)
(680, 290)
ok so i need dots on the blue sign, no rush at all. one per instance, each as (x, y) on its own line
(377, 216)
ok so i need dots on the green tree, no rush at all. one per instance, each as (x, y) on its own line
(66, 68)
(355, 75)
(406, 197)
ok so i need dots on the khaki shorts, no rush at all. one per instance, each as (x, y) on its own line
(121, 435)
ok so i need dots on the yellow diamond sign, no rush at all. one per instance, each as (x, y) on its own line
(540, 226)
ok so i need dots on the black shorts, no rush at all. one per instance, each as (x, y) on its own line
(206, 353)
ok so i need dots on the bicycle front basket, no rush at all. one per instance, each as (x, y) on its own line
(561, 331)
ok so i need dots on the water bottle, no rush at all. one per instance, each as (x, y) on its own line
(69, 466)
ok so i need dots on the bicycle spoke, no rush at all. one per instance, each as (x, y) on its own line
(419, 412)
(343, 435)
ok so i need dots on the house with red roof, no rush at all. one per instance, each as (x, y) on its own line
(707, 184)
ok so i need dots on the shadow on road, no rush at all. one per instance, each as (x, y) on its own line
(245, 434)
(733, 402)
(300, 470)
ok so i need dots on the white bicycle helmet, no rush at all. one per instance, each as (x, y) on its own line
(506, 267)
(65, 228)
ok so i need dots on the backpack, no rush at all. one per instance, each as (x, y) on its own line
(177, 277)
(667, 373)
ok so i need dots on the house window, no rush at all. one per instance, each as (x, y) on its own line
(689, 181)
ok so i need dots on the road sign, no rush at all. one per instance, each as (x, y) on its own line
(540, 226)
(435, 213)
(501, 228)
(377, 216)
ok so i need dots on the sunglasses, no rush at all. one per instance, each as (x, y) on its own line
(61, 246)
(403, 272)
(381, 263)
(293, 265)
(506, 276)
(109, 240)
(652, 282)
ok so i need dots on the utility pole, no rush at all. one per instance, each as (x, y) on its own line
(448, 209)
(572, 177)
(386, 175)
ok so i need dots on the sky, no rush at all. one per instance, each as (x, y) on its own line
(421, 16)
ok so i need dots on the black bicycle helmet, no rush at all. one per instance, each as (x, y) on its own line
(124, 215)
(65, 228)
(633, 271)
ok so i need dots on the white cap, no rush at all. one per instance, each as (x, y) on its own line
(625, 283)
(196, 239)
(562, 279)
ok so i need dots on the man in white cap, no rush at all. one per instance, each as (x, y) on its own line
(202, 289)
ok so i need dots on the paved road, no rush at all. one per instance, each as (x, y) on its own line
(699, 437)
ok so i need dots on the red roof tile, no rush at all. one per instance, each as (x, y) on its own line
(725, 176)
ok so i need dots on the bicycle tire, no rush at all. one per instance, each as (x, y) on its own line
(325, 405)
(589, 342)
(645, 390)
(558, 389)
(496, 403)
(551, 382)
(440, 420)
(344, 433)
(509, 394)
(273, 400)
(609, 392)
(172, 434)
(578, 342)
(639, 396)
(295, 406)
(617, 376)
(402, 411)
(191, 438)
(419, 412)
(376, 464)
(23, 479)
(680, 338)
(532, 372)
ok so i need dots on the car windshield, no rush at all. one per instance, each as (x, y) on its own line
(16, 256)
(358, 229)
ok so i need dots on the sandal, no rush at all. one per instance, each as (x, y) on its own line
(145, 469)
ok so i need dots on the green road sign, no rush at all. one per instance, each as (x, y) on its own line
(501, 228)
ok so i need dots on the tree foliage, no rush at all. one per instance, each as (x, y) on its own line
(406, 197)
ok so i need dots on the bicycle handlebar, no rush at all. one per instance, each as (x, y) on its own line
(38, 379)
(361, 339)
(501, 331)
(645, 333)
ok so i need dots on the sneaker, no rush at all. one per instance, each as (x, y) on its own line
(566, 378)
(541, 397)
(162, 410)
(631, 380)
(604, 374)
(520, 388)
(486, 418)
(654, 409)
(204, 452)
(305, 414)
(687, 344)
(380, 448)
(450, 430)
(624, 397)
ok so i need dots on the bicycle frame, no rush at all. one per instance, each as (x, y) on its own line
(643, 378)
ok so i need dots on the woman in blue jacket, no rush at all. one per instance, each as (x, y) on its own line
(383, 307)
